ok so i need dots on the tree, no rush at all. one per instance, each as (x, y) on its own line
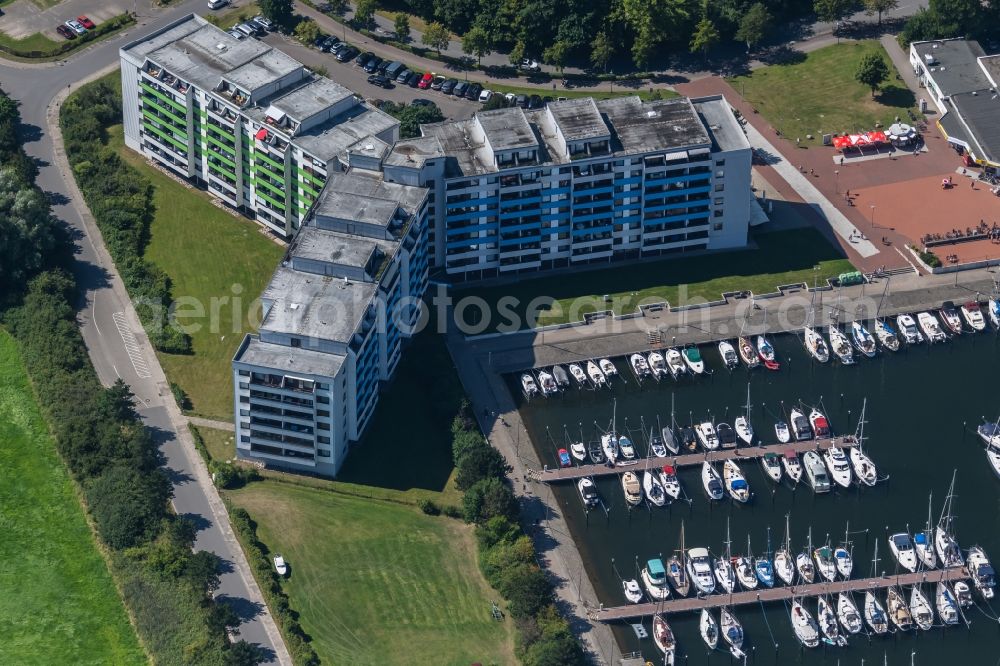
(601, 51)
(655, 22)
(957, 17)
(879, 7)
(364, 12)
(411, 118)
(477, 42)
(480, 462)
(128, 506)
(242, 653)
(705, 36)
(436, 36)
(556, 55)
(401, 24)
(516, 54)
(832, 11)
(526, 589)
(753, 25)
(307, 31)
(872, 71)
(489, 498)
(279, 11)
(496, 530)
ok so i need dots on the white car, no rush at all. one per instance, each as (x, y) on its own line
(485, 96)
(531, 65)
(511, 98)
(236, 33)
(217, 4)
(76, 27)
(264, 21)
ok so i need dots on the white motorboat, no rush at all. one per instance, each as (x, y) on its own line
(827, 620)
(633, 593)
(664, 639)
(929, 325)
(654, 579)
(626, 448)
(675, 363)
(993, 458)
(847, 613)
(726, 435)
(983, 576)
(732, 632)
(632, 488)
(886, 335)
(800, 425)
(990, 434)
(671, 485)
(901, 545)
(963, 594)
(862, 339)
(688, 438)
(280, 565)
(947, 606)
(656, 447)
(844, 562)
(951, 319)
(528, 385)
(596, 374)
(973, 316)
(562, 379)
(653, 489)
(909, 330)
(747, 352)
(711, 481)
(548, 383)
(993, 312)
(827, 568)
(588, 492)
(699, 568)
(709, 629)
(743, 429)
(792, 466)
(608, 368)
(898, 611)
(782, 432)
(771, 464)
(921, 609)
(745, 574)
(840, 468)
(657, 365)
(724, 574)
(875, 614)
(804, 625)
(609, 444)
(578, 374)
(639, 366)
(706, 435)
(578, 450)
(766, 352)
(816, 472)
(693, 360)
(820, 424)
(815, 345)
(864, 468)
(841, 346)
(669, 439)
(728, 354)
(736, 483)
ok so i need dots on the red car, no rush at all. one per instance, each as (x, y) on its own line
(86, 22)
(425, 81)
(65, 32)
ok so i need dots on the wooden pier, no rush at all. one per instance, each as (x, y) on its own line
(691, 459)
(688, 604)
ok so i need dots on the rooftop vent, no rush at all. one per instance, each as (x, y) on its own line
(293, 306)
(652, 114)
(220, 46)
(369, 146)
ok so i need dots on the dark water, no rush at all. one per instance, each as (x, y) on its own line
(918, 401)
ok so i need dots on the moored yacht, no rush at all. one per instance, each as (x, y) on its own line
(562, 379)
(693, 360)
(654, 579)
(816, 472)
(528, 385)
(675, 363)
(588, 492)
(633, 593)
(951, 319)
(841, 346)
(656, 447)
(981, 571)
(886, 335)
(804, 625)
(728, 354)
(639, 366)
(671, 485)
(596, 375)
(689, 439)
(840, 468)
(548, 383)
(820, 424)
(771, 464)
(578, 451)
(711, 482)
(901, 545)
(792, 466)
(626, 448)
(608, 368)
(862, 339)
(993, 312)
(726, 435)
(782, 432)
(699, 568)
(909, 330)
(800, 425)
(632, 488)
(973, 316)
(815, 345)
(929, 325)
(706, 435)
(657, 365)
(579, 376)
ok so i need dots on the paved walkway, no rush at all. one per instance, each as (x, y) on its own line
(210, 423)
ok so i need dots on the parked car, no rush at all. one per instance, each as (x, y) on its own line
(380, 81)
(425, 81)
(530, 65)
(76, 27)
(460, 88)
(420, 101)
(521, 101)
(373, 63)
(265, 22)
(65, 31)
(386, 34)
(485, 96)
(382, 66)
(217, 4)
(394, 69)
(260, 27)
(438, 82)
(363, 59)
(86, 22)
(534, 102)
(320, 41)
(338, 47)
(247, 29)
(233, 32)
(448, 86)
(511, 99)
(346, 54)
(473, 91)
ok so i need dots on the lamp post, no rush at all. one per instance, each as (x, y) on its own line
(873, 218)
(837, 180)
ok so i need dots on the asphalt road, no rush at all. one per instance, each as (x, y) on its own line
(114, 338)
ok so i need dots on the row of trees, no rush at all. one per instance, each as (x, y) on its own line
(506, 554)
(953, 18)
(167, 586)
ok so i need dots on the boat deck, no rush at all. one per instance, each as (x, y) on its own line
(688, 604)
(691, 459)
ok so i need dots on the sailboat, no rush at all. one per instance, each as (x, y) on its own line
(723, 567)
(886, 335)
(804, 625)
(664, 639)
(784, 564)
(653, 489)
(847, 613)
(898, 611)
(863, 340)
(944, 542)
(762, 565)
(743, 566)
(841, 346)
(676, 571)
(864, 468)
(742, 423)
(657, 449)
(747, 352)
(874, 611)
(803, 562)
(815, 345)
(921, 609)
(711, 481)
(732, 632)
(709, 629)
(827, 620)
(766, 352)
(947, 606)
(728, 354)
(842, 556)
(707, 437)
(736, 483)
(923, 542)
(824, 562)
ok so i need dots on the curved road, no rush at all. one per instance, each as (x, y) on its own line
(116, 342)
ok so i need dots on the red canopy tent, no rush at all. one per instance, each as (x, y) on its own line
(858, 141)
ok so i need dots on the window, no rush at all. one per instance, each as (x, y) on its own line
(717, 226)
(245, 439)
(244, 412)
(323, 413)
(244, 373)
(322, 426)
(244, 399)
(322, 454)
(720, 173)
(321, 386)
(718, 201)
(244, 385)
(720, 187)
(322, 440)
(323, 400)
(720, 163)
(717, 213)
(295, 342)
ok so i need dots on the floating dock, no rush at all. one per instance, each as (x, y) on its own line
(687, 604)
(692, 459)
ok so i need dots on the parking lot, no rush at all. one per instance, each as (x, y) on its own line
(23, 18)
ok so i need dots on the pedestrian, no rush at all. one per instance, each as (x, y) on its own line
(798, 141)
(848, 194)
(812, 172)
(841, 160)
(972, 184)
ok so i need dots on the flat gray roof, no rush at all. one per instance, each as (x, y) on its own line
(643, 127)
(507, 129)
(338, 248)
(717, 115)
(369, 184)
(991, 64)
(370, 146)
(465, 156)
(312, 98)
(980, 112)
(291, 360)
(265, 68)
(414, 152)
(957, 69)
(579, 119)
(350, 206)
(315, 306)
(333, 137)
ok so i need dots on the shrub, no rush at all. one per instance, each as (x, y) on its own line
(526, 589)
(488, 498)
(480, 462)
(127, 506)
(182, 399)
(429, 507)
(453, 511)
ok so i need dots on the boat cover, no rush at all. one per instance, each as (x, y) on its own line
(791, 454)
(655, 568)
(920, 538)
(668, 469)
(739, 484)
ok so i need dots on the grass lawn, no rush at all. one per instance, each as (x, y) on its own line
(35, 42)
(788, 255)
(221, 444)
(379, 583)
(208, 254)
(59, 604)
(819, 94)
